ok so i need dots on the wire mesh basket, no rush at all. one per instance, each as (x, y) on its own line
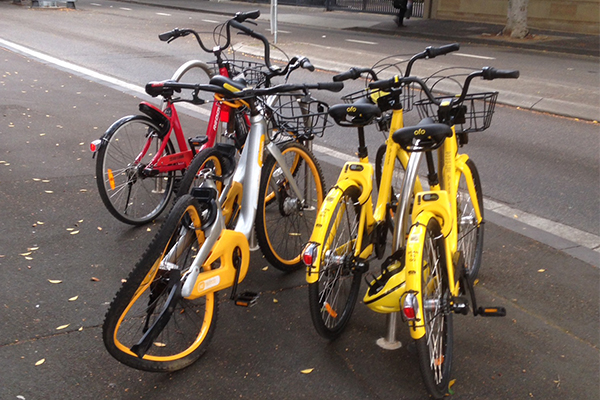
(478, 109)
(255, 73)
(296, 116)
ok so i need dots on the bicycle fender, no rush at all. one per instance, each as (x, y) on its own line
(461, 165)
(231, 248)
(437, 203)
(359, 174)
(414, 262)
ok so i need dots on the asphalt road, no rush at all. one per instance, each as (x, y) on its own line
(56, 229)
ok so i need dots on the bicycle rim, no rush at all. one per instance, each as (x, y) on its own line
(333, 297)
(131, 195)
(151, 298)
(434, 349)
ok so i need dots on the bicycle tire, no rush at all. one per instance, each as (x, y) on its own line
(283, 224)
(333, 296)
(128, 194)
(434, 349)
(139, 302)
(207, 158)
(470, 234)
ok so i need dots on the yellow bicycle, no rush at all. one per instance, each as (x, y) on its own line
(347, 231)
(433, 268)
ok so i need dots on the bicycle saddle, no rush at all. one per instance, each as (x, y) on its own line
(161, 88)
(426, 135)
(356, 115)
(228, 85)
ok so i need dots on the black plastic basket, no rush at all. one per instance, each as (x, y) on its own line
(296, 116)
(479, 111)
(406, 97)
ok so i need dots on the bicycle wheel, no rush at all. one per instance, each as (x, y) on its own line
(434, 349)
(131, 194)
(470, 233)
(333, 296)
(207, 158)
(284, 222)
(148, 325)
(398, 178)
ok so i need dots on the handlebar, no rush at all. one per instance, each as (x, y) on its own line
(487, 73)
(218, 83)
(429, 52)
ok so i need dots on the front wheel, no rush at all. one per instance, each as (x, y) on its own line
(129, 191)
(434, 349)
(284, 221)
(333, 296)
(149, 325)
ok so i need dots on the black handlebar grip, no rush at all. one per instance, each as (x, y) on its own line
(386, 84)
(306, 64)
(490, 73)
(352, 73)
(242, 16)
(433, 52)
(165, 37)
(331, 86)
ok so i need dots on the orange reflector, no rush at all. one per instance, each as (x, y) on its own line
(330, 310)
(111, 179)
(439, 361)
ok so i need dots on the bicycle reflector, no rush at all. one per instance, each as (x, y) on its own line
(309, 255)
(411, 307)
(95, 145)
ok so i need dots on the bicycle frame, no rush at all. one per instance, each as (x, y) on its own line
(441, 204)
(361, 174)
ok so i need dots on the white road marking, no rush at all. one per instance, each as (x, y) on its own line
(125, 9)
(473, 56)
(278, 31)
(210, 21)
(163, 14)
(360, 41)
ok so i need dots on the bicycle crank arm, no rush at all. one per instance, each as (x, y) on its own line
(151, 334)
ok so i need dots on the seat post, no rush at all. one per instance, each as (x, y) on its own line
(363, 151)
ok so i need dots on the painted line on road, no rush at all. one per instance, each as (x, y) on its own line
(473, 56)
(210, 21)
(361, 41)
(570, 234)
(125, 9)
(91, 74)
(163, 14)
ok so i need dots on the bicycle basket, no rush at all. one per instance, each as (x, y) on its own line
(478, 115)
(296, 116)
(254, 72)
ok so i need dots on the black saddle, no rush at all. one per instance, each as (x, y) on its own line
(356, 115)
(425, 136)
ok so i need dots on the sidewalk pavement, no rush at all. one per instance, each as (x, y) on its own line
(460, 31)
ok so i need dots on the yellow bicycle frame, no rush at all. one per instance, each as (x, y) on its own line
(360, 174)
(439, 204)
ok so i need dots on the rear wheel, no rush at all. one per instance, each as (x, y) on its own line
(149, 325)
(209, 158)
(470, 233)
(434, 349)
(333, 296)
(131, 193)
(284, 222)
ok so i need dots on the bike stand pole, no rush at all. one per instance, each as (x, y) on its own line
(389, 342)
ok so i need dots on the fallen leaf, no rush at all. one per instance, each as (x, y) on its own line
(70, 229)
(159, 344)
(26, 254)
(148, 230)
(99, 228)
(36, 179)
(73, 298)
(541, 270)
(29, 258)
(80, 221)
(32, 248)
(94, 279)
(307, 371)
(39, 223)
(62, 327)
(74, 232)
(48, 191)
(40, 362)
(80, 329)
(275, 301)
(265, 268)
(54, 281)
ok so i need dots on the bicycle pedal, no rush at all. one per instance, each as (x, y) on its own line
(246, 299)
(491, 311)
(198, 141)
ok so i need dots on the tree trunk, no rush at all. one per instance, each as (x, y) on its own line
(516, 24)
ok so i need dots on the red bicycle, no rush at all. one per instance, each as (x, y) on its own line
(138, 168)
